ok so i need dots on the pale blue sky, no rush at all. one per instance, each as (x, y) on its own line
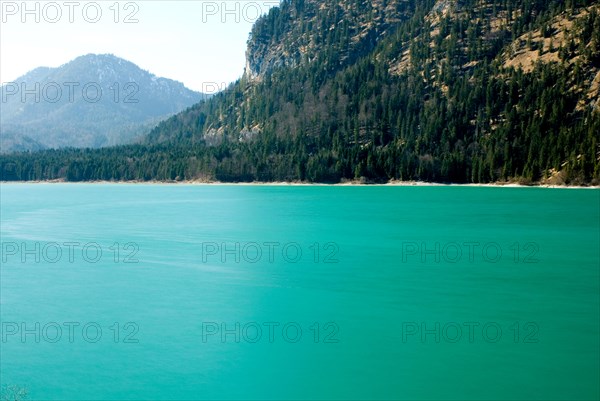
(200, 43)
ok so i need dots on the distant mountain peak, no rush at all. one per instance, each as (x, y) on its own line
(103, 100)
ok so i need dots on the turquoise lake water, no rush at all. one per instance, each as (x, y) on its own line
(140, 292)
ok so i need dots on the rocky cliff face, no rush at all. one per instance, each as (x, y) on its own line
(300, 32)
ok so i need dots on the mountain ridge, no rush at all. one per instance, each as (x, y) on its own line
(92, 101)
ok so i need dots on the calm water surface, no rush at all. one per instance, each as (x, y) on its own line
(139, 292)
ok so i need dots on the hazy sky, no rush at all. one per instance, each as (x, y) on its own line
(200, 43)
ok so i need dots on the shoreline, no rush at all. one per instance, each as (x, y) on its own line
(305, 184)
